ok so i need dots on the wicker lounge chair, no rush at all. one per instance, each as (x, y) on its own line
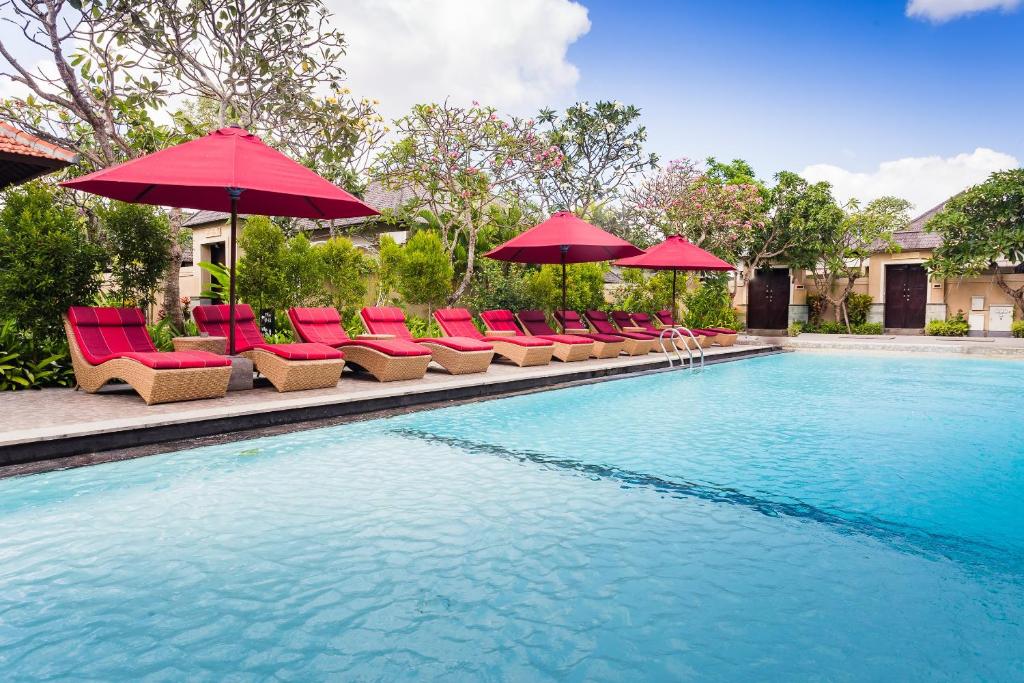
(112, 343)
(635, 344)
(289, 367)
(606, 345)
(715, 335)
(457, 355)
(641, 322)
(386, 358)
(653, 324)
(567, 347)
(523, 351)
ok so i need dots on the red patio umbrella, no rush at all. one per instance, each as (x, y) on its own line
(563, 238)
(675, 254)
(229, 170)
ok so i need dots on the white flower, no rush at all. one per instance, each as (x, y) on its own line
(609, 128)
(617, 104)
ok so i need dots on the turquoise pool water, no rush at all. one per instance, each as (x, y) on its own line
(796, 517)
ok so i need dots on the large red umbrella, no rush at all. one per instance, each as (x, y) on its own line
(675, 254)
(563, 238)
(229, 170)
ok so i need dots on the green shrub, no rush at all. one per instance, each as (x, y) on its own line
(957, 326)
(421, 327)
(47, 262)
(710, 305)
(1017, 328)
(139, 242)
(499, 284)
(344, 270)
(815, 307)
(162, 333)
(645, 294)
(260, 272)
(25, 365)
(857, 307)
(425, 273)
(796, 329)
(831, 327)
(584, 287)
(869, 328)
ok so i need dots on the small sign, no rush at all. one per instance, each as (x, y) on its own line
(977, 303)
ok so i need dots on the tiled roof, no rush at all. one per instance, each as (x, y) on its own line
(24, 156)
(376, 195)
(914, 238)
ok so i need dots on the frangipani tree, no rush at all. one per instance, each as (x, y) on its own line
(460, 163)
(715, 215)
(981, 226)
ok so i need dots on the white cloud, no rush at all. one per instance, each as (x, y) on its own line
(946, 10)
(508, 54)
(923, 181)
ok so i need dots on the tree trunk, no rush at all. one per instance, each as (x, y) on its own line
(468, 276)
(1017, 295)
(172, 289)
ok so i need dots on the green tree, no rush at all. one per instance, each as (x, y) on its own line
(260, 271)
(644, 293)
(839, 242)
(46, 261)
(303, 276)
(389, 261)
(425, 273)
(979, 228)
(461, 162)
(343, 271)
(139, 243)
(584, 286)
(601, 147)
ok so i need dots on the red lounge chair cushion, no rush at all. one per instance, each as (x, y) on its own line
(569, 339)
(319, 325)
(464, 344)
(599, 320)
(501, 320)
(535, 322)
(457, 322)
(214, 320)
(643, 320)
(521, 341)
(177, 360)
(665, 317)
(386, 320)
(622, 319)
(606, 338)
(390, 347)
(103, 334)
(303, 351)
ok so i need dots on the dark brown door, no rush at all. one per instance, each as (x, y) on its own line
(768, 300)
(906, 292)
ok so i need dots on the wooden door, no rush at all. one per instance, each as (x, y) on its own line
(768, 299)
(906, 293)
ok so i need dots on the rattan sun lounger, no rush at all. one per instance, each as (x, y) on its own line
(716, 335)
(523, 351)
(606, 345)
(567, 348)
(457, 355)
(109, 344)
(386, 358)
(289, 367)
(634, 344)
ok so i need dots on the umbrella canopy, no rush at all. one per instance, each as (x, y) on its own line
(675, 254)
(228, 170)
(198, 174)
(563, 238)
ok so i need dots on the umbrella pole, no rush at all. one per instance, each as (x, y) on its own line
(235, 194)
(675, 313)
(565, 250)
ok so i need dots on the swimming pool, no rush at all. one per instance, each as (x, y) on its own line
(789, 517)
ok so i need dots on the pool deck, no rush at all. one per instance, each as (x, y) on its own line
(990, 347)
(57, 423)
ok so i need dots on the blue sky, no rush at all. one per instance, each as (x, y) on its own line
(791, 84)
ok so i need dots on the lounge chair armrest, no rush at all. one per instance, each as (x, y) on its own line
(577, 331)
(632, 328)
(369, 337)
(501, 333)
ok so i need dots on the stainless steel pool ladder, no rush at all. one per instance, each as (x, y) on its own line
(671, 333)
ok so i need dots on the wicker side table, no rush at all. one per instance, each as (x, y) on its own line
(218, 345)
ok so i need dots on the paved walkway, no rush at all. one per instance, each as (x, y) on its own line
(997, 347)
(53, 423)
